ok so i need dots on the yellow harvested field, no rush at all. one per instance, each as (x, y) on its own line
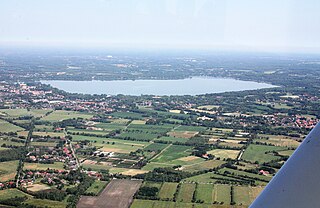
(224, 153)
(183, 134)
(132, 172)
(138, 122)
(38, 187)
(174, 111)
(188, 158)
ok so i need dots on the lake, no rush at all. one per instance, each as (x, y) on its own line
(190, 86)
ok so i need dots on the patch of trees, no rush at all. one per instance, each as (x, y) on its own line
(164, 175)
(12, 154)
(54, 194)
(146, 192)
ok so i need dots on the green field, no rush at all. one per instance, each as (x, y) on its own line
(221, 193)
(6, 127)
(39, 166)
(14, 113)
(167, 190)
(191, 128)
(96, 187)
(45, 203)
(244, 195)
(171, 153)
(172, 139)
(141, 136)
(186, 192)
(204, 193)
(155, 147)
(137, 203)
(8, 170)
(60, 115)
(206, 165)
(258, 153)
(224, 153)
(11, 193)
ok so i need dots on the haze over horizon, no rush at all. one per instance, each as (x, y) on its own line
(288, 25)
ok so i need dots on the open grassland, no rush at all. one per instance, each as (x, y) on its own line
(38, 187)
(112, 145)
(209, 178)
(128, 115)
(221, 193)
(110, 126)
(151, 184)
(45, 203)
(171, 153)
(244, 195)
(96, 187)
(6, 127)
(152, 165)
(260, 153)
(60, 115)
(87, 131)
(151, 128)
(39, 166)
(167, 190)
(182, 134)
(15, 113)
(278, 140)
(48, 133)
(155, 147)
(224, 153)
(206, 165)
(204, 193)
(11, 193)
(172, 139)
(8, 170)
(190, 128)
(186, 192)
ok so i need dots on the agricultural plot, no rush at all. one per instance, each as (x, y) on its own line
(171, 153)
(38, 187)
(140, 136)
(171, 139)
(48, 133)
(221, 193)
(259, 179)
(169, 204)
(117, 194)
(112, 145)
(8, 170)
(39, 166)
(191, 128)
(110, 126)
(128, 115)
(186, 192)
(167, 191)
(15, 113)
(260, 153)
(224, 153)
(60, 115)
(279, 140)
(155, 147)
(11, 193)
(186, 161)
(244, 195)
(151, 128)
(152, 165)
(96, 187)
(210, 178)
(7, 127)
(204, 193)
(45, 203)
(182, 134)
(206, 165)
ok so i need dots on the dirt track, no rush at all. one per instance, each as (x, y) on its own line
(117, 194)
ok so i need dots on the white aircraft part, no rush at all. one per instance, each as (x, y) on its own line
(297, 184)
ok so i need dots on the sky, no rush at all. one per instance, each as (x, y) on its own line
(288, 25)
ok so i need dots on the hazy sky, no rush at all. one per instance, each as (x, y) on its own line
(233, 24)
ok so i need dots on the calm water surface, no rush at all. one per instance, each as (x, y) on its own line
(190, 86)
